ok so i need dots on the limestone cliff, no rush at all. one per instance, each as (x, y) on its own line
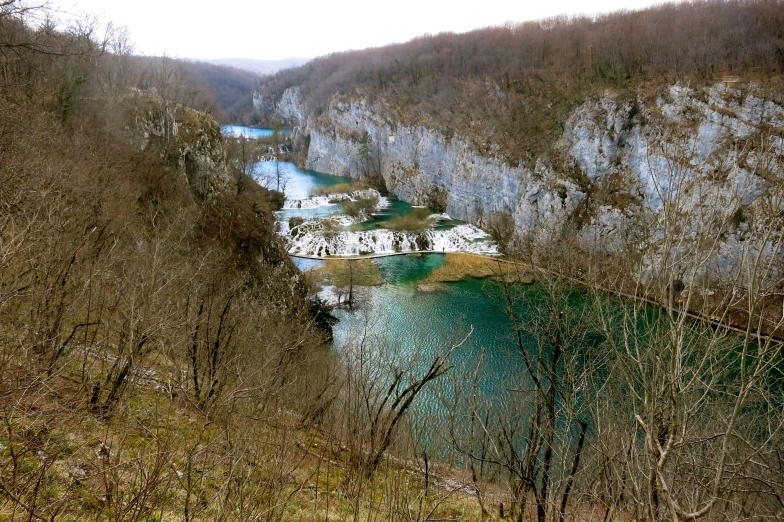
(188, 139)
(289, 110)
(709, 154)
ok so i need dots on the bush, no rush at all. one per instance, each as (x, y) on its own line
(415, 221)
(375, 182)
(341, 188)
(501, 227)
(276, 200)
(437, 198)
(359, 206)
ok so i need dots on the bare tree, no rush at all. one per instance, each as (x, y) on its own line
(697, 415)
(380, 390)
(535, 435)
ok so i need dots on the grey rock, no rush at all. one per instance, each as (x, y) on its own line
(708, 153)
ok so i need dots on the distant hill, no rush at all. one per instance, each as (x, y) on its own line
(224, 92)
(511, 88)
(263, 67)
(232, 87)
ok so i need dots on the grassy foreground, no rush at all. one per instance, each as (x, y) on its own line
(161, 459)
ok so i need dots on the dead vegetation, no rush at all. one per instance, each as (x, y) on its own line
(159, 358)
(417, 220)
(509, 90)
(459, 266)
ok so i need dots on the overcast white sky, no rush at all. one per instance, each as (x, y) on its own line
(308, 28)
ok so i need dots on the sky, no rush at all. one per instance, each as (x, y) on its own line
(269, 30)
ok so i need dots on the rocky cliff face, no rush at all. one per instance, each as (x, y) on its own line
(709, 155)
(424, 167)
(289, 110)
(189, 140)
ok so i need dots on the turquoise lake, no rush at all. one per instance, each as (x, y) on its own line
(402, 317)
(406, 320)
(418, 322)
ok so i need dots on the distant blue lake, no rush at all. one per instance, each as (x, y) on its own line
(250, 132)
(298, 183)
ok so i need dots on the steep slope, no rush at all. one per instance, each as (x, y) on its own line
(226, 93)
(141, 285)
(563, 127)
(616, 155)
(233, 88)
(510, 89)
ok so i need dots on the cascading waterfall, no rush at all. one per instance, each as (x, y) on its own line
(330, 236)
(347, 243)
(332, 199)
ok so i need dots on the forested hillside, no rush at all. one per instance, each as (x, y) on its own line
(510, 89)
(144, 296)
(160, 357)
(225, 92)
(232, 87)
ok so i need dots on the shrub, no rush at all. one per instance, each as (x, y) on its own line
(501, 227)
(359, 206)
(415, 221)
(341, 188)
(276, 200)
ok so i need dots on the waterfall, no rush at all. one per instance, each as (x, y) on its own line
(326, 200)
(346, 243)
(330, 236)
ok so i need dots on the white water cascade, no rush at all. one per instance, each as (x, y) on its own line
(346, 243)
(326, 200)
(331, 236)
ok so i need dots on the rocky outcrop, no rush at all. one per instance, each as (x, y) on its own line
(289, 110)
(187, 139)
(708, 156)
(424, 167)
(623, 160)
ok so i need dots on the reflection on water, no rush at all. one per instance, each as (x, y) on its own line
(419, 320)
(304, 264)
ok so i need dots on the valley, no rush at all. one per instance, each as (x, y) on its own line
(528, 272)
